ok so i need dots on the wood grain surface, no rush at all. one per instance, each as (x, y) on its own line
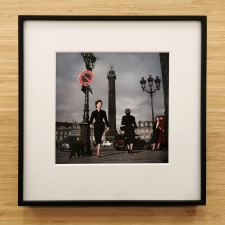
(212, 213)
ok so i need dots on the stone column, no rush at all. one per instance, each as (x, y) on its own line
(110, 135)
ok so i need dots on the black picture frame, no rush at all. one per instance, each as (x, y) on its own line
(22, 157)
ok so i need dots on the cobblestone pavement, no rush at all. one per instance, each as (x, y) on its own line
(110, 155)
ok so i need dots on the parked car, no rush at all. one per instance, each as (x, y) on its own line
(120, 142)
(65, 146)
(107, 143)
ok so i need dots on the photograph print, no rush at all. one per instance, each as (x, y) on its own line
(112, 108)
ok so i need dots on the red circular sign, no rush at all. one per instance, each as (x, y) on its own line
(86, 78)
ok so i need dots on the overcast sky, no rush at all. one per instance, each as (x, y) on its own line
(129, 68)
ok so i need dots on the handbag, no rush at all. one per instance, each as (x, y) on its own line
(122, 128)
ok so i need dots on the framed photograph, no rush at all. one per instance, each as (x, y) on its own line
(112, 110)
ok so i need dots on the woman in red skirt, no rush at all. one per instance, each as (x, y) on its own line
(162, 133)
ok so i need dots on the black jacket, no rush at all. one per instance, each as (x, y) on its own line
(129, 121)
(99, 116)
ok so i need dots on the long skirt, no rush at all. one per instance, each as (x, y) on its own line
(129, 134)
(155, 136)
(99, 128)
(162, 137)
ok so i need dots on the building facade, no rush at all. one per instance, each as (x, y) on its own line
(65, 129)
(145, 129)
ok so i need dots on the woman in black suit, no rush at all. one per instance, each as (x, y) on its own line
(155, 133)
(129, 122)
(99, 125)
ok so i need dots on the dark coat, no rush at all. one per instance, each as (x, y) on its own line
(162, 133)
(130, 124)
(155, 133)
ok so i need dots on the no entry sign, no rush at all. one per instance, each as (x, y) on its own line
(86, 78)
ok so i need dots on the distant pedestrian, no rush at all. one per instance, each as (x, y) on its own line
(129, 122)
(162, 133)
(155, 134)
(99, 125)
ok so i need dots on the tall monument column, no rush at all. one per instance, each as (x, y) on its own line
(110, 135)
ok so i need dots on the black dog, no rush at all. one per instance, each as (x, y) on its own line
(76, 147)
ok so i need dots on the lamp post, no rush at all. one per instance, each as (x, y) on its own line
(150, 82)
(89, 60)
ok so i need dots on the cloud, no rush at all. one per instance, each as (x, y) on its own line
(129, 68)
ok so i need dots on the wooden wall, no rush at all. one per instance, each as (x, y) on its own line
(212, 213)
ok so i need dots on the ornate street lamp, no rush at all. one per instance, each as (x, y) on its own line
(157, 82)
(89, 60)
(150, 82)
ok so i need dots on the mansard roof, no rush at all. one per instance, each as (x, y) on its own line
(66, 124)
(144, 121)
